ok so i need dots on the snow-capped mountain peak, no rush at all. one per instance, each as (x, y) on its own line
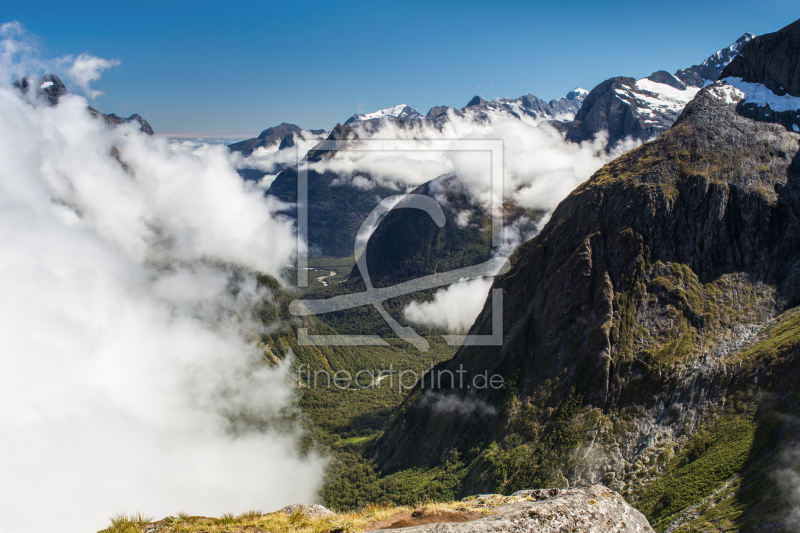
(398, 111)
(721, 58)
(577, 94)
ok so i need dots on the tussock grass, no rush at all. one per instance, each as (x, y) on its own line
(277, 522)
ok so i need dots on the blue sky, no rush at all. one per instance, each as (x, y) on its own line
(239, 67)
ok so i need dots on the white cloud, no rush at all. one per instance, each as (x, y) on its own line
(19, 52)
(86, 69)
(453, 308)
(129, 376)
(452, 404)
(20, 56)
(540, 167)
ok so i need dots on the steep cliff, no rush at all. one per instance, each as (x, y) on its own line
(650, 335)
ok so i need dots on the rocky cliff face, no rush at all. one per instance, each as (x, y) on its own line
(648, 331)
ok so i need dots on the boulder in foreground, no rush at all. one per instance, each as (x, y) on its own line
(592, 509)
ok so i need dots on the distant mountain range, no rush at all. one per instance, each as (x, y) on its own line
(620, 108)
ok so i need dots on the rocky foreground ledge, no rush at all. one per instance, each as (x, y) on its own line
(590, 509)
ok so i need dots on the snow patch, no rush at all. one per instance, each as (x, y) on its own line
(726, 93)
(667, 93)
(396, 111)
(722, 57)
(756, 93)
(47, 84)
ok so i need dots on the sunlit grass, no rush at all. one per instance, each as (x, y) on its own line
(297, 522)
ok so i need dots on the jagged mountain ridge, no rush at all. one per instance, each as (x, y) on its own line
(527, 105)
(624, 107)
(398, 111)
(656, 312)
(710, 69)
(644, 109)
(50, 88)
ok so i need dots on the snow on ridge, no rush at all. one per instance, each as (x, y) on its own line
(727, 93)
(652, 97)
(722, 57)
(761, 95)
(669, 95)
(395, 111)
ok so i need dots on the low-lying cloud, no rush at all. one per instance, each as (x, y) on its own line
(85, 69)
(130, 376)
(453, 404)
(540, 167)
(453, 308)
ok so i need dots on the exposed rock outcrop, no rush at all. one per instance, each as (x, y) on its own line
(593, 509)
(49, 87)
(115, 120)
(308, 509)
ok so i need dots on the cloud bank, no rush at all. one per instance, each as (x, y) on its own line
(540, 167)
(130, 375)
(453, 308)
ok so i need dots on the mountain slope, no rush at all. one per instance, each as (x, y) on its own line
(650, 330)
(271, 138)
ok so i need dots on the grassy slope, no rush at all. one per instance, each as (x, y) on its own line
(297, 522)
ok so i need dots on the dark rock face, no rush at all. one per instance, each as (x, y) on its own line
(666, 78)
(48, 87)
(287, 142)
(724, 207)
(437, 111)
(337, 212)
(115, 120)
(268, 137)
(770, 60)
(613, 107)
(408, 244)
